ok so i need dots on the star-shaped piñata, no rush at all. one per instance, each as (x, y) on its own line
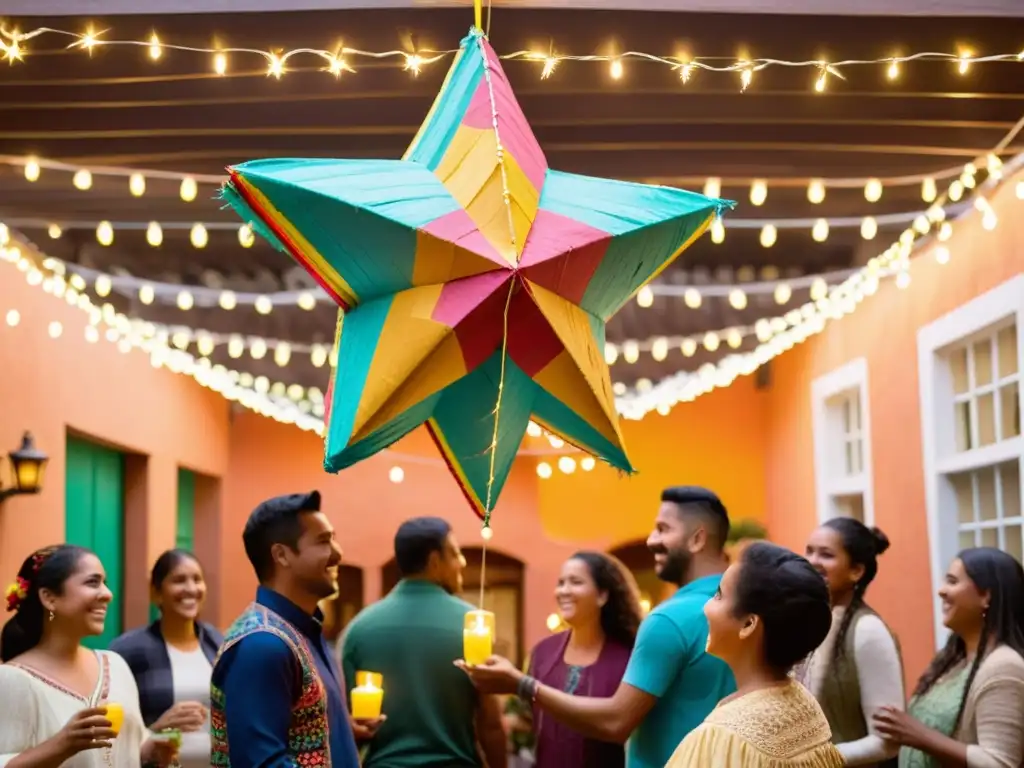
(475, 282)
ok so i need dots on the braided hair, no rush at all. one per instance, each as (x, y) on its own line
(862, 545)
(1001, 576)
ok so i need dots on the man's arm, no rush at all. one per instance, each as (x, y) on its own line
(660, 652)
(490, 732)
(259, 689)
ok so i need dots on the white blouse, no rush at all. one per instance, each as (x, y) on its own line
(191, 673)
(33, 709)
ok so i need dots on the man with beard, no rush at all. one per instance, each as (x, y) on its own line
(276, 696)
(670, 684)
(434, 715)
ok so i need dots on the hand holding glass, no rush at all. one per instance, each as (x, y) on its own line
(115, 714)
(367, 696)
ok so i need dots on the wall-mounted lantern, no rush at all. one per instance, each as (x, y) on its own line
(28, 464)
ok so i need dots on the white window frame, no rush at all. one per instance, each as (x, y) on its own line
(852, 377)
(1002, 305)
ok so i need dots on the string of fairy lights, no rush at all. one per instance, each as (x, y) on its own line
(16, 45)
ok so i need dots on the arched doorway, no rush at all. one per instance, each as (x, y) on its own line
(503, 595)
(342, 608)
(638, 559)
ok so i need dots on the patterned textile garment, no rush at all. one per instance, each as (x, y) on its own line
(937, 709)
(777, 727)
(308, 736)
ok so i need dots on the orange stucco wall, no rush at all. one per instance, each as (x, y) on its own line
(884, 331)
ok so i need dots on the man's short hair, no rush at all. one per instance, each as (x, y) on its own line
(416, 539)
(276, 521)
(697, 501)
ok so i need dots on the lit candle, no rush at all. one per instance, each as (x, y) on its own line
(115, 714)
(367, 696)
(478, 637)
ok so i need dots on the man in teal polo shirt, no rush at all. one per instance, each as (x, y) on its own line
(670, 684)
(434, 716)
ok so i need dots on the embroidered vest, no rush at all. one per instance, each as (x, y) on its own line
(840, 688)
(308, 734)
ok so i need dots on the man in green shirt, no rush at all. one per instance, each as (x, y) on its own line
(435, 717)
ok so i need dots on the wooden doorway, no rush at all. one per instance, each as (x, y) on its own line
(638, 559)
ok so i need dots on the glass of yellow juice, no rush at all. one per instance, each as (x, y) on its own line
(477, 637)
(115, 714)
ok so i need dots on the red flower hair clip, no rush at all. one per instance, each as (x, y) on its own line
(16, 593)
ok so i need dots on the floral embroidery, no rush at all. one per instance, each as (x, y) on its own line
(308, 735)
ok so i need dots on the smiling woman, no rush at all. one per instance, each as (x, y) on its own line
(172, 658)
(54, 710)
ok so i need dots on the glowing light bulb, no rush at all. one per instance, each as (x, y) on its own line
(964, 63)
(616, 69)
(783, 293)
(55, 329)
(137, 184)
(258, 349)
(819, 289)
(396, 475)
(198, 236)
(227, 300)
(32, 170)
(711, 341)
(659, 348)
(188, 189)
(102, 285)
(413, 63)
(688, 347)
(819, 84)
(82, 179)
(220, 62)
(275, 66)
(611, 353)
(645, 297)
(893, 72)
(630, 352)
(1020, 190)
(587, 463)
(307, 301)
(549, 67)
(713, 187)
(868, 228)
(54, 231)
(282, 354)
(146, 294)
(318, 355)
(155, 51)
(873, 190)
(746, 77)
(544, 470)
(263, 305)
(928, 190)
(567, 464)
(956, 191)
(104, 233)
(154, 234)
(902, 279)
(769, 235)
(185, 301)
(820, 230)
(13, 317)
(942, 254)
(717, 231)
(246, 238)
(692, 298)
(945, 231)
(816, 192)
(758, 192)
(533, 429)
(236, 346)
(737, 299)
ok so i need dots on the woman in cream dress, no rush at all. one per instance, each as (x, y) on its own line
(771, 610)
(53, 708)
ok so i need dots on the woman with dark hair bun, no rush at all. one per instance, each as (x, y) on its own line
(857, 670)
(771, 610)
(968, 706)
(60, 703)
(599, 601)
(172, 658)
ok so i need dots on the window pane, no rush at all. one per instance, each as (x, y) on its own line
(1014, 542)
(990, 537)
(964, 496)
(849, 415)
(982, 362)
(850, 506)
(986, 479)
(854, 458)
(855, 409)
(1009, 411)
(1009, 481)
(986, 419)
(963, 426)
(1006, 342)
(958, 368)
(966, 539)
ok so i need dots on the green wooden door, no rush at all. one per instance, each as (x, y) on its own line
(186, 537)
(94, 517)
